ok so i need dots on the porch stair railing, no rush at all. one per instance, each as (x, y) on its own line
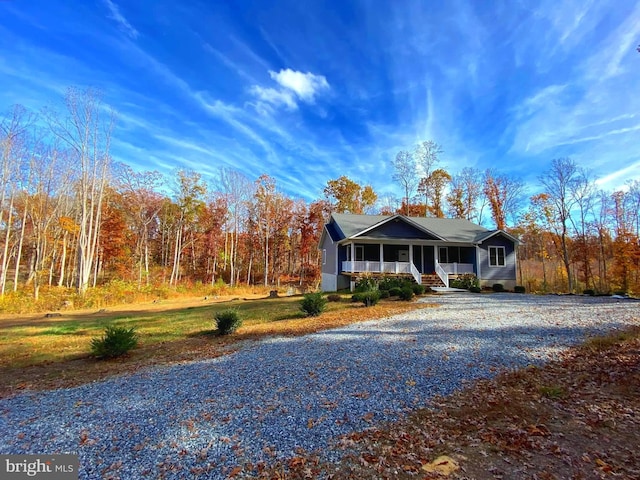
(417, 276)
(444, 276)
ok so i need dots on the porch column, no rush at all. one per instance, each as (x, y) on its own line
(381, 258)
(479, 274)
(410, 254)
(353, 256)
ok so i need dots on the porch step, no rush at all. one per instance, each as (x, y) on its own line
(432, 281)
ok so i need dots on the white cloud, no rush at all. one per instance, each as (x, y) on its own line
(305, 85)
(123, 23)
(294, 86)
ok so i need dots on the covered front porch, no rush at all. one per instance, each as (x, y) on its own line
(413, 260)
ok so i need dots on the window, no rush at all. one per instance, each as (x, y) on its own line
(496, 257)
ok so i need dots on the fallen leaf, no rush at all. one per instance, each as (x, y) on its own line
(235, 471)
(443, 465)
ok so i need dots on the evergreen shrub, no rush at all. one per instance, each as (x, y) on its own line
(313, 304)
(406, 293)
(115, 342)
(227, 321)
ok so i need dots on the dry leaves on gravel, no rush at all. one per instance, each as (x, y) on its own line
(575, 418)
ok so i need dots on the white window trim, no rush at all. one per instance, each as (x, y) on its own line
(504, 256)
(324, 256)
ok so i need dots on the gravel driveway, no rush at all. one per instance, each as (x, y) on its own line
(281, 394)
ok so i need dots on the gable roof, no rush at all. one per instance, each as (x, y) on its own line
(456, 230)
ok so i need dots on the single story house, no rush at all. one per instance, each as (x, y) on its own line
(429, 250)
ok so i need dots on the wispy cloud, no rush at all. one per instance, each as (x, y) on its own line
(123, 23)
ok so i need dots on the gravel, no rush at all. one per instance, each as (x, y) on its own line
(280, 395)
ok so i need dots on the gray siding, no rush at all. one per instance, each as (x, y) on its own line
(508, 272)
(330, 264)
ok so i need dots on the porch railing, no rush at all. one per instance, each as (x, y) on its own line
(457, 268)
(366, 266)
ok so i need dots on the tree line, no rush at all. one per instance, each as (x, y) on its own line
(71, 217)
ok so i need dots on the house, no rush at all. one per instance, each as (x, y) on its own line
(429, 250)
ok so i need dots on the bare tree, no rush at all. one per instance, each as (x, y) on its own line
(558, 182)
(13, 128)
(406, 174)
(582, 192)
(87, 132)
(236, 190)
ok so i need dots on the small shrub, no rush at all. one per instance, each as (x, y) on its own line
(498, 287)
(406, 293)
(417, 289)
(465, 281)
(552, 392)
(395, 292)
(334, 297)
(366, 284)
(388, 283)
(227, 321)
(313, 304)
(370, 299)
(475, 289)
(519, 289)
(383, 293)
(589, 291)
(115, 342)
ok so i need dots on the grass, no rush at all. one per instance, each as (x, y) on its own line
(39, 352)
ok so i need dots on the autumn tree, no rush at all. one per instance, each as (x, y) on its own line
(464, 194)
(140, 191)
(503, 194)
(433, 187)
(189, 191)
(348, 196)
(44, 202)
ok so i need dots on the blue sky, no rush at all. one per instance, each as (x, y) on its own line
(307, 91)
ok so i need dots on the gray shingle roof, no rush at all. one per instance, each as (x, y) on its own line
(451, 229)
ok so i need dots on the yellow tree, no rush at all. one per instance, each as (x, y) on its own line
(348, 196)
(433, 187)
